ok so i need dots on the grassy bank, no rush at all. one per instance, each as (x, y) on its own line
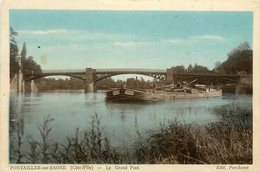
(227, 141)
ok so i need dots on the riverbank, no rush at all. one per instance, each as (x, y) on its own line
(225, 141)
(237, 89)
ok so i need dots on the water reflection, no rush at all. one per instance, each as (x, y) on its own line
(73, 109)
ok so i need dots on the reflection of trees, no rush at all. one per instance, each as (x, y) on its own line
(16, 140)
(52, 83)
(16, 128)
(73, 83)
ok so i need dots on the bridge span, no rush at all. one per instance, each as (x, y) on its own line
(91, 76)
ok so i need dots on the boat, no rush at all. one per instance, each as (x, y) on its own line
(162, 94)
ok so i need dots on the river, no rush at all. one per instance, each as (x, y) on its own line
(73, 109)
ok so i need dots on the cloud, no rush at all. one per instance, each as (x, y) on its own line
(194, 39)
(177, 41)
(32, 32)
(210, 37)
(125, 44)
(63, 34)
(133, 43)
(41, 32)
(99, 35)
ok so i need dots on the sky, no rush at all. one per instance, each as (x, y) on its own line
(77, 39)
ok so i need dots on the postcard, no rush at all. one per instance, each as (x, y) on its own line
(130, 86)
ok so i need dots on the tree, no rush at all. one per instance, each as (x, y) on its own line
(23, 57)
(239, 59)
(217, 67)
(14, 60)
(190, 68)
(200, 69)
(31, 66)
(131, 82)
(244, 46)
(179, 69)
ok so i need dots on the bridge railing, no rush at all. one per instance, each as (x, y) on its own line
(64, 71)
(116, 70)
(131, 70)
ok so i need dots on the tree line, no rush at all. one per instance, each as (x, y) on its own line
(20, 61)
(74, 83)
(240, 59)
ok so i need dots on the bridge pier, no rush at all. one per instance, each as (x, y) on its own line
(30, 86)
(90, 85)
(169, 76)
(18, 84)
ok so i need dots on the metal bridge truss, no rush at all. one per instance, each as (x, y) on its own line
(107, 75)
(213, 77)
(81, 76)
(99, 75)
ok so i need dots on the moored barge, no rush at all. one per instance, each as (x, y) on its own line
(133, 95)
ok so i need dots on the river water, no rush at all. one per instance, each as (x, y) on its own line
(73, 109)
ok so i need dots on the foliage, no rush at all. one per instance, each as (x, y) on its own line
(198, 69)
(14, 61)
(179, 69)
(190, 68)
(239, 59)
(30, 66)
(45, 145)
(226, 141)
(27, 64)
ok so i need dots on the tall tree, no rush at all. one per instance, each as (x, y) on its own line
(239, 59)
(14, 60)
(31, 66)
(23, 57)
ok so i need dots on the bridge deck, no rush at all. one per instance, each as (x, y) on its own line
(102, 71)
(124, 71)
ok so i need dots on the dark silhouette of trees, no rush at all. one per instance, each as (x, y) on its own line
(179, 69)
(190, 68)
(200, 69)
(239, 59)
(28, 65)
(14, 61)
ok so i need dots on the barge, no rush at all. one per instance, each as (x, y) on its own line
(153, 95)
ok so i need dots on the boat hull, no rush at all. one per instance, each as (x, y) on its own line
(130, 95)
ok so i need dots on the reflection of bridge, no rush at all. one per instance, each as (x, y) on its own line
(23, 82)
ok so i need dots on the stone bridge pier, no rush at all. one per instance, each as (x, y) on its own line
(90, 84)
(169, 76)
(19, 84)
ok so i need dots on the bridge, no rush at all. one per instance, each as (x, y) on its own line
(98, 74)
(25, 81)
